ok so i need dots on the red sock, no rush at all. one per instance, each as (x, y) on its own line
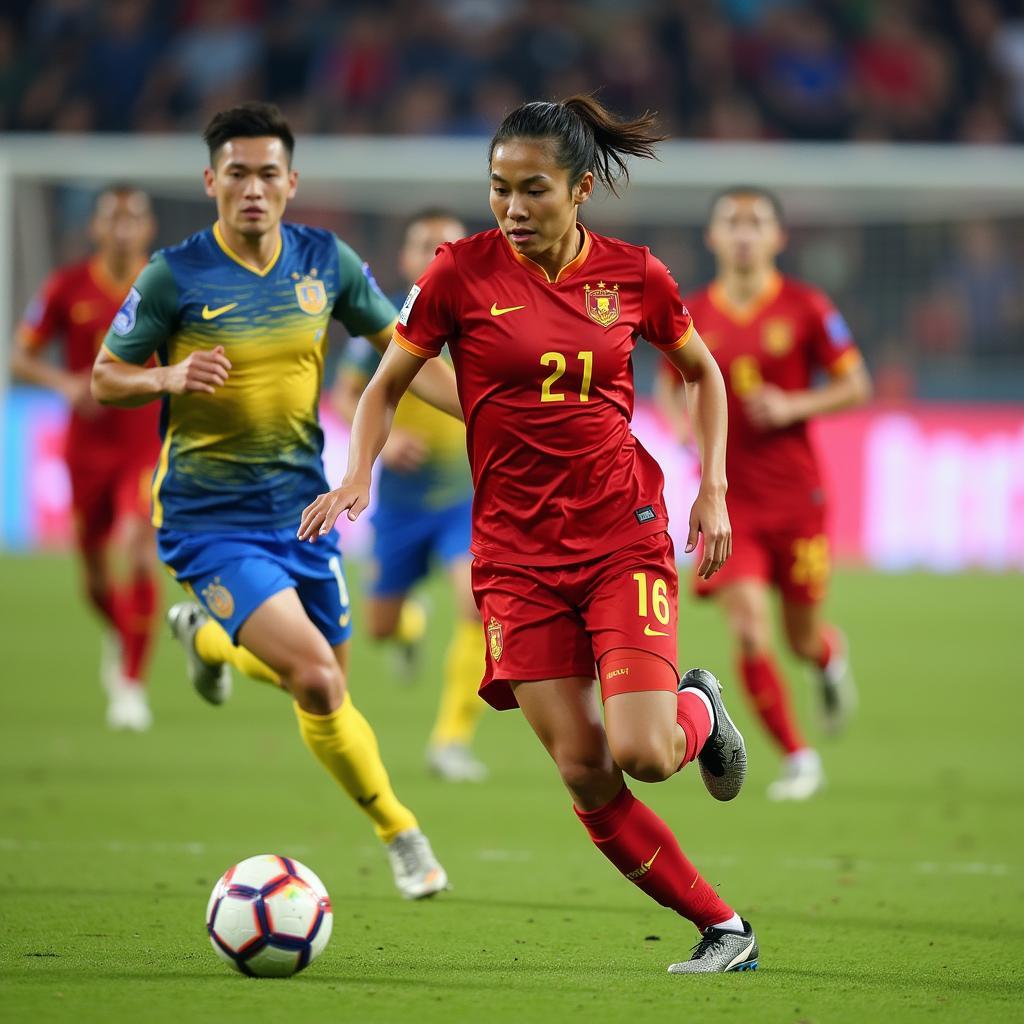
(136, 611)
(828, 647)
(644, 849)
(768, 695)
(693, 718)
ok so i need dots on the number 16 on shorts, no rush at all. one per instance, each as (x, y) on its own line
(653, 603)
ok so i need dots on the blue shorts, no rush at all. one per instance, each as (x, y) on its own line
(233, 573)
(406, 538)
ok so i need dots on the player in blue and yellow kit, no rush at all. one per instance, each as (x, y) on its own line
(424, 512)
(237, 317)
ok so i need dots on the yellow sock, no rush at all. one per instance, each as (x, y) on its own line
(214, 645)
(461, 707)
(412, 623)
(344, 743)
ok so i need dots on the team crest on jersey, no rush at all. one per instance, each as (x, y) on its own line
(312, 294)
(777, 337)
(218, 599)
(602, 303)
(495, 642)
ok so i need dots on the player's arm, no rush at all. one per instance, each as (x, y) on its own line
(435, 382)
(29, 366)
(670, 400)
(772, 408)
(143, 325)
(370, 429)
(706, 400)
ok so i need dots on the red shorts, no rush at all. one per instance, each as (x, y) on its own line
(793, 556)
(559, 621)
(105, 490)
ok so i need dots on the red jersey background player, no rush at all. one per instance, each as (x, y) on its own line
(771, 335)
(110, 452)
(573, 567)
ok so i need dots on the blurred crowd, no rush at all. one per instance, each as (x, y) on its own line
(905, 70)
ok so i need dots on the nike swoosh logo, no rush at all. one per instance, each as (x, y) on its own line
(365, 801)
(501, 312)
(653, 632)
(648, 863)
(344, 620)
(209, 314)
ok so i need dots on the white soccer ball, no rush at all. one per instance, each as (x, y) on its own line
(269, 916)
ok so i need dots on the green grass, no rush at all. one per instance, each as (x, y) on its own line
(897, 895)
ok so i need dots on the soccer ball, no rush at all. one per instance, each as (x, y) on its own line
(269, 916)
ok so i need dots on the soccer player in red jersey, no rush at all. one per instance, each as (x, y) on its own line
(573, 566)
(110, 452)
(771, 335)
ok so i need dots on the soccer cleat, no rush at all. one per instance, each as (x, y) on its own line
(211, 682)
(802, 776)
(719, 951)
(417, 871)
(723, 759)
(455, 762)
(128, 708)
(837, 690)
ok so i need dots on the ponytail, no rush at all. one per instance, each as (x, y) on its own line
(587, 136)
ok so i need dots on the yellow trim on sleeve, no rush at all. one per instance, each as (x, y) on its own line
(679, 342)
(113, 355)
(847, 362)
(228, 251)
(412, 349)
(158, 478)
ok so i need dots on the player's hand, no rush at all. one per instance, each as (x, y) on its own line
(710, 517)
(403, 452)
(769, 408)
(201, 372)
(319, 517)
(78, 393)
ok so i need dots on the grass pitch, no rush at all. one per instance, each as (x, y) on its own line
(897, 895)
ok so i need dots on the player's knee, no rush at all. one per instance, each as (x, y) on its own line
(583, 777)
(805, 645)
(646, 760)
(317, 686)
(379, 629)
(751, 637)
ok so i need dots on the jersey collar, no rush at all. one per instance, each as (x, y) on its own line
(569, 269)
(745, 314)
(229, 252)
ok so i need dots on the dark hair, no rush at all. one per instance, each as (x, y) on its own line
(250, 120)
(588, 137)
(121, 188)
(749, 190)
(429, 213)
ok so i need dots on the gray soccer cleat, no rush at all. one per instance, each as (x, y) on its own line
(723, 760)
(837, 690)
(455, 762)
(211, 682)
(417, 871)
(719, 951)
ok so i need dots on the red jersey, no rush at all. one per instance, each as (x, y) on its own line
(788, 334)
(76, 305)
(545, 379)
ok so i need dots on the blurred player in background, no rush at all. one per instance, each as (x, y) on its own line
(238, 316)
(574, 571)
(424, 511)
(771, 335)
(110, 452)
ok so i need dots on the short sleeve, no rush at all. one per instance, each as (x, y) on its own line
(427, 319)
(147, 317)
(832, 344)
(665, 321)
(360, 306)
(360, 358)
(45, 317)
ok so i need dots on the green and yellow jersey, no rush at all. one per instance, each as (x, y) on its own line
(249, 455)
(444, 479)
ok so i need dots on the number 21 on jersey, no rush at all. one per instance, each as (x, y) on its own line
(555, 361)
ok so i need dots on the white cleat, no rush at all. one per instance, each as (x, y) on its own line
(837, 690)
(454, 762)
(211, 682)
(128, 708)
(418, 873)
(802, 776)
